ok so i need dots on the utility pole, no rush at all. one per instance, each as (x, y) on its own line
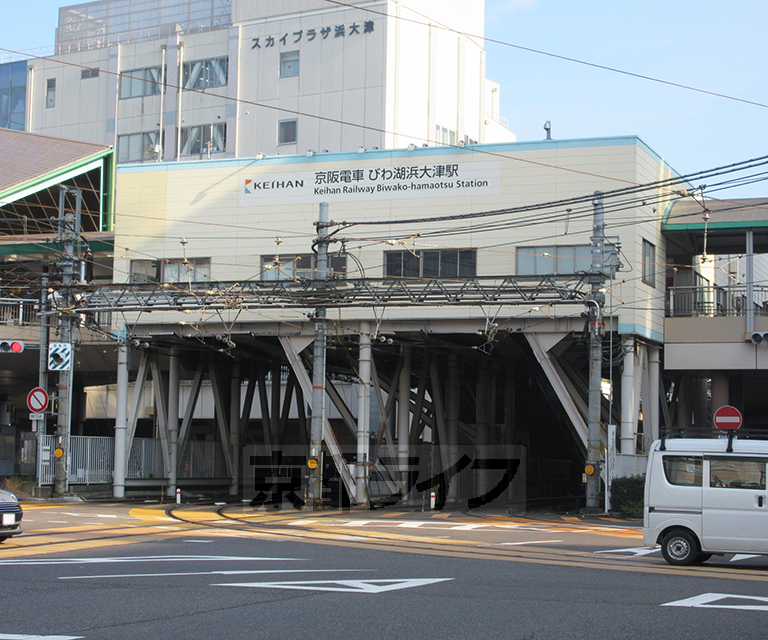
(315, 462)
(595, 303)
(42, 380)
(69, 226)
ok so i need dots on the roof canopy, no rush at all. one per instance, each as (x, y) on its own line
(724, 224)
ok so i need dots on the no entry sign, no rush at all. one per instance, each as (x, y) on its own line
(727, 418)
(37, 400)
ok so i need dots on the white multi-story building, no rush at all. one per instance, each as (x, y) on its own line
(185, 79)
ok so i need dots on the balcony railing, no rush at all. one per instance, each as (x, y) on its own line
(19, 312)
(714, 301)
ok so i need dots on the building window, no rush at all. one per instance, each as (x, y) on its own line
(204, 74)
(649, 264)
(89, 73)
(176, 271)
(204, 139)
(443, 135)
(136, 147)
(289, 64)
(13, 95)
(286, 131)
(300, 266)
(432, 263)
(539, 261)
(140, 82)
(50, 93)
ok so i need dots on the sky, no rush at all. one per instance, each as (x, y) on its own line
(717, 46)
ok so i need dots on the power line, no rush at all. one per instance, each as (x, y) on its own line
(556, 56)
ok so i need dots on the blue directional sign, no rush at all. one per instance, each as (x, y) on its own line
(59, 356)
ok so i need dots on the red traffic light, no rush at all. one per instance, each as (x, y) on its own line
(11, 346)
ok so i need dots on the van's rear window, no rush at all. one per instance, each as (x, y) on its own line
(683, 470)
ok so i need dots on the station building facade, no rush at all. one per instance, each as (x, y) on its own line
(496, 375)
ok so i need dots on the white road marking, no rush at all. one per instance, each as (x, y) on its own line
(466, 527)
(234, 572)
(348, 586)
(742, 556)
(706, 600)
(635, 551)
(59, 521)
(197, 540)
(411, 525)
(13, 636)
(356, 523)
(513, 544)
(298, 523)
(130, 559)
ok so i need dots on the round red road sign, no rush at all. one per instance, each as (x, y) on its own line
(727, 418)
(37, 400)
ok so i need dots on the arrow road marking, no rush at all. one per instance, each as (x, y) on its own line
(635, 551)
(742, 556)
(706, 600)
(346, 586)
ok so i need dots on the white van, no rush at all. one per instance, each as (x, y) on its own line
(702, 499)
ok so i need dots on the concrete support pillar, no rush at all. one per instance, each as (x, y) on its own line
(173, 420)
(234, 428)
(700, 413)
(721, 395)
(684, 403)
(651, 415)
(363, 410)
(628, 401)
(404, 416)
(482, 419)
(274, 406)
(509, 437)
(452, 420)
(121, 423)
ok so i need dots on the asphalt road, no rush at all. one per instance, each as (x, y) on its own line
(135, 571)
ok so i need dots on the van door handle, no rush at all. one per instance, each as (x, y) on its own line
(760, 501)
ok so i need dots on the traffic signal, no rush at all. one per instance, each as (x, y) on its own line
(11, 346)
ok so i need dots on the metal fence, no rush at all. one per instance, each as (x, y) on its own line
(92, 460)
(202, 459)
(146, 459)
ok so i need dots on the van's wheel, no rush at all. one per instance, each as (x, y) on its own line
(702, 557)
(680, 547)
